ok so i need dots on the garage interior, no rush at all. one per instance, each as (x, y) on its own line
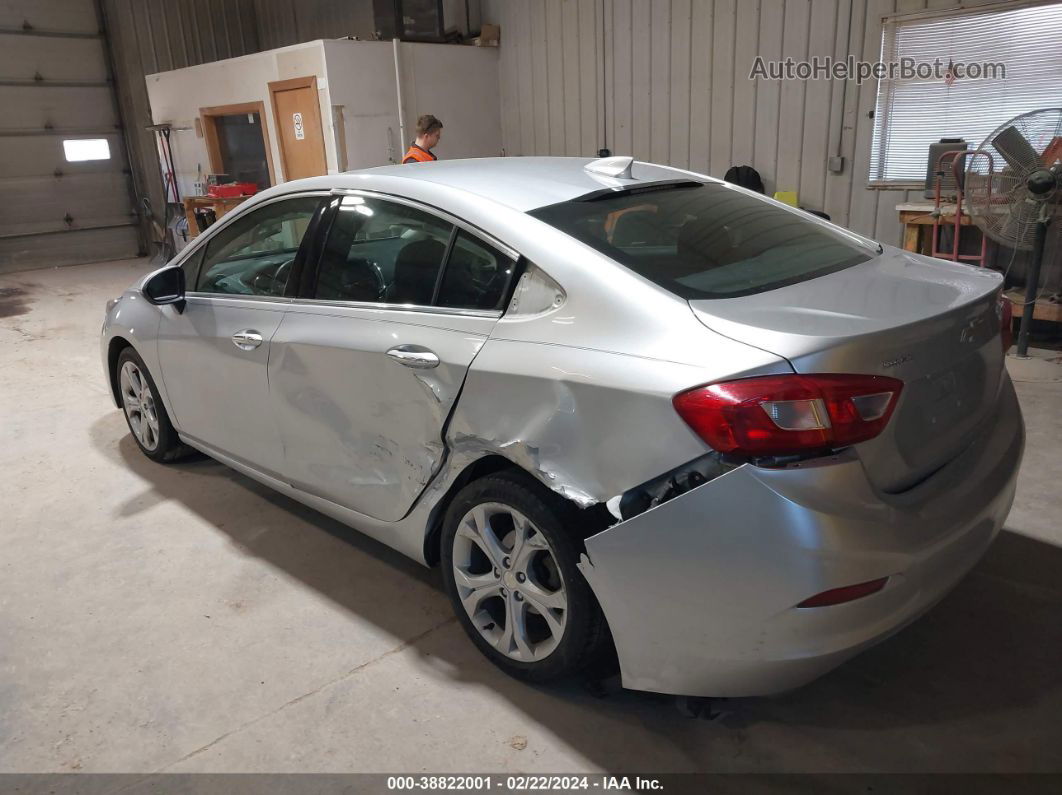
(184, 618)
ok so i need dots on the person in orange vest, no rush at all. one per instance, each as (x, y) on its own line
(429, 131)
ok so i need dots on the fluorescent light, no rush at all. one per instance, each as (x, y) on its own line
(78, 149)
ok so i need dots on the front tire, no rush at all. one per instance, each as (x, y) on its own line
(509, 555)
(148, 422)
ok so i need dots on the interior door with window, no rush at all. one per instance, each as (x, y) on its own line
(367, 365)
(214, 354)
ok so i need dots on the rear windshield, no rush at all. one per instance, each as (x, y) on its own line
(706, 240)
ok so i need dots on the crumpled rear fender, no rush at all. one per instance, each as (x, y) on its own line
(588, 424)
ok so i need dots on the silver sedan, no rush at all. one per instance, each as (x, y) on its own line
(630, 410)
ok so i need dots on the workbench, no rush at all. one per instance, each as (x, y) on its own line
(917, 220)
(219, 205)
(1042, 309)
(916, 216)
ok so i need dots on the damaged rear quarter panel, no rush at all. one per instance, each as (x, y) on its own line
(588, 424)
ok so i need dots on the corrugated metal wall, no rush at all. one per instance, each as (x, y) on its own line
(667, 80)
(284, 22)
(173, 34)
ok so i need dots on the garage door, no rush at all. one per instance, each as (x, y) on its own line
(64, 184)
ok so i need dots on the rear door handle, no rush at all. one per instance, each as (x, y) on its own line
(247, 340)
(414, 356)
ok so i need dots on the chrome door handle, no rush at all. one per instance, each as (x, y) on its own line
(247, 340)
(414, 356)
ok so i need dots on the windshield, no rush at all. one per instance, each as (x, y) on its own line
(707, 240)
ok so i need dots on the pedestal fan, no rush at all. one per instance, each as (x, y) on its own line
(1013, 189)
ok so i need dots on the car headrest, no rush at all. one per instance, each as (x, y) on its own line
(635, 226)
(416, 267)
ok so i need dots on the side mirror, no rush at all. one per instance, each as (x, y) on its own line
(166, 287)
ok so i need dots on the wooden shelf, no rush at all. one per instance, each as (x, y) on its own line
(1043, 310)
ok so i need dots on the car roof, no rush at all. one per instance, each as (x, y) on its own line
(522, 183)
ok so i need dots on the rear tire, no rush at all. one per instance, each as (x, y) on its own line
(509, 555)
(148, 422)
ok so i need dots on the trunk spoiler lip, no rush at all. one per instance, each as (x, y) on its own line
(790, 300)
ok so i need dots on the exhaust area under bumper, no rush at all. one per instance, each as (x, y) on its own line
(701, 592)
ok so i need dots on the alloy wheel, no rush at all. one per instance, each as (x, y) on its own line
(139, 404)
(509, 582)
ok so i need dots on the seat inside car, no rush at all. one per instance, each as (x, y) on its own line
(416, 268)
(354, 279)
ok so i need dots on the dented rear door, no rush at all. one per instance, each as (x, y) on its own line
(362, 428)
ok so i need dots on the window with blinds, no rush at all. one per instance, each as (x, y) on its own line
(914, 111)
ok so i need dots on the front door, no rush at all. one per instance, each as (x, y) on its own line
(297, 113)
(214, 354)
(367, 366)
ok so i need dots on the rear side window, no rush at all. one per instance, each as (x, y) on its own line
(381, 251)
(706, 240)
(476, 275)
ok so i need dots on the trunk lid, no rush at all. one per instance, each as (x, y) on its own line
(933, 324)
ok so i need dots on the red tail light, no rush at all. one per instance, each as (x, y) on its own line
(848, 593)
(1006, 322)
(786, 414)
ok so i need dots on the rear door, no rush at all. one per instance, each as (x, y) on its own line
(214, 354)
(369, 360)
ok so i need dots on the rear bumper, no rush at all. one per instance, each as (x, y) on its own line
(700, 592)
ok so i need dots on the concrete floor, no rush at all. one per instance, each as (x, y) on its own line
(183, 618)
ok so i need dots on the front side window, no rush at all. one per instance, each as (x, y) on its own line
(382, 251)
(191, 264)
(254, 254)
(707, 240)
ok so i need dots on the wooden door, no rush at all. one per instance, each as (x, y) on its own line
(297, 113)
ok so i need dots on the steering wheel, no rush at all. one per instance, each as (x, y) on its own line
(375, 280)
(266, 283)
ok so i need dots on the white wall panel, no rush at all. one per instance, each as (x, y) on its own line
(766, 132)
(591, 68)
(724, 13)
(792, 109)
(670, 81)
(641, 79)
(743, 119)
(457, 84)
(555, 77)
(701, 84)
(678, 121)
(660, 82)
